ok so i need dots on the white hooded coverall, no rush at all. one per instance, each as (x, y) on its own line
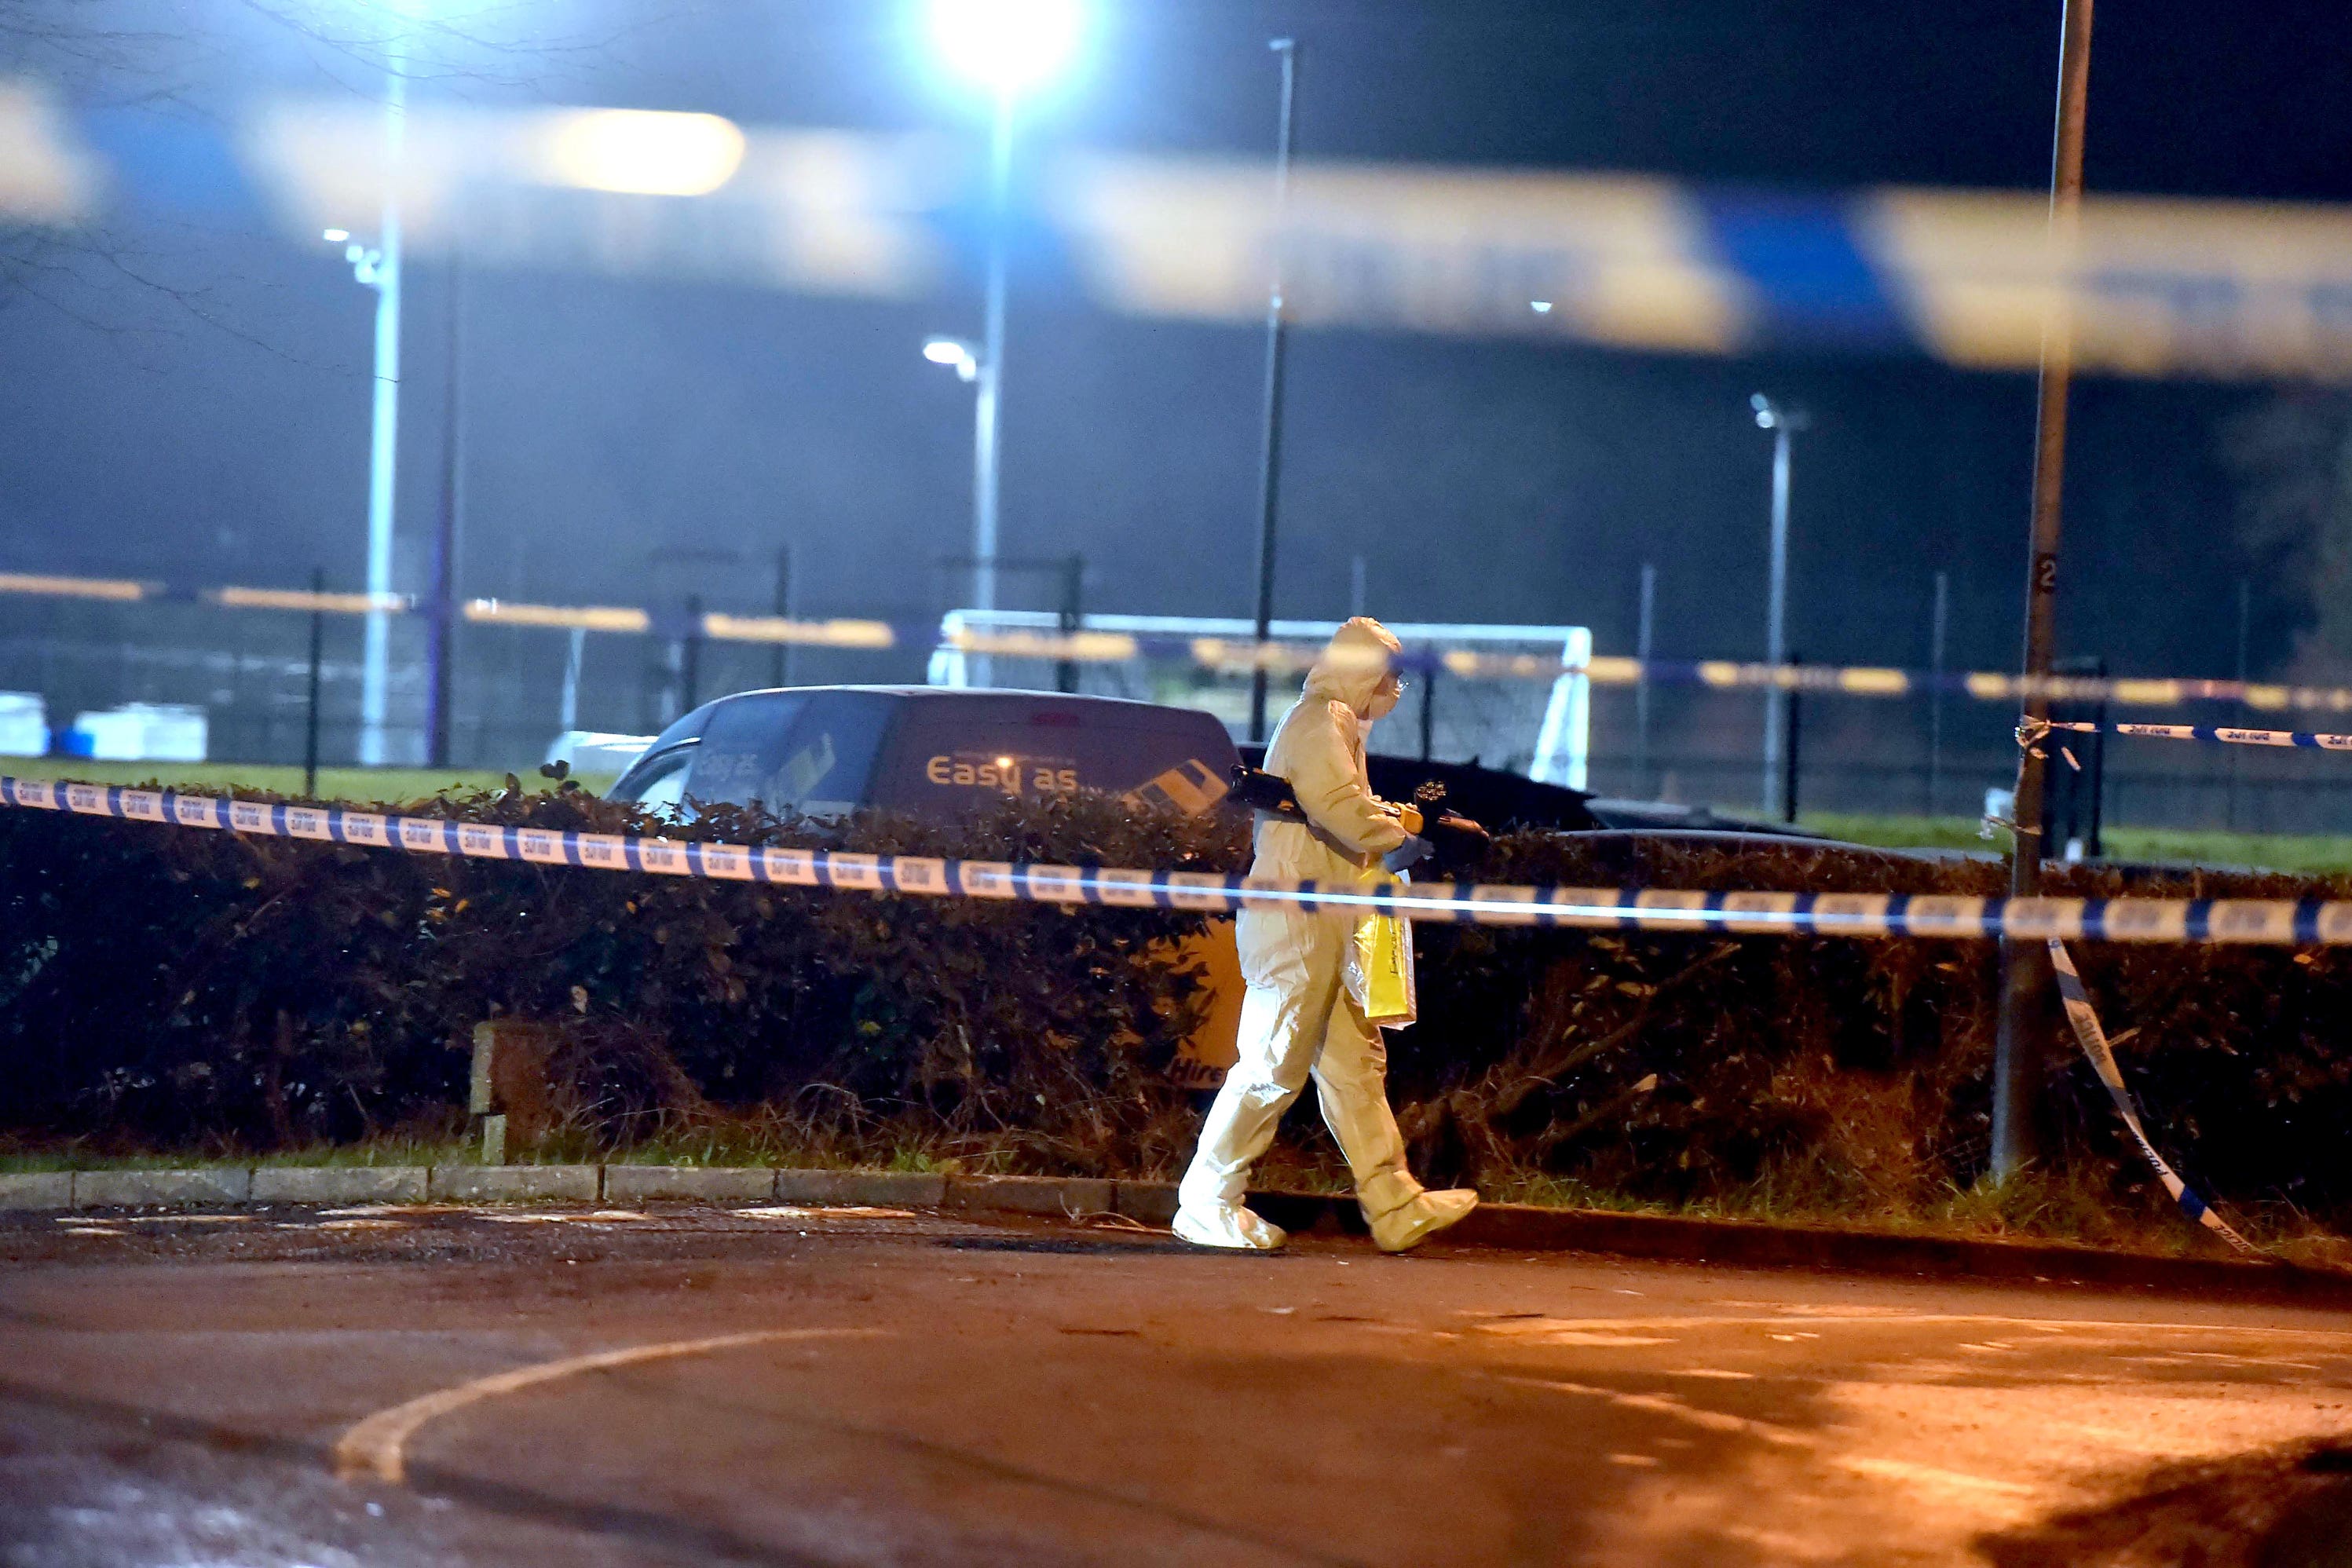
(1304, 1010)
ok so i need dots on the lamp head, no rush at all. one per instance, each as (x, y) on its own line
(1008, 46)
(953, 351)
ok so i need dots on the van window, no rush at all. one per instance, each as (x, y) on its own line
(661, 786)
(810, 752)
(946, 756)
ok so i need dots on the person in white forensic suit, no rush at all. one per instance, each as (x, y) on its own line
(1304, 1012)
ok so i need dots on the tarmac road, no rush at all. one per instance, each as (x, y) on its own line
(790, 1386)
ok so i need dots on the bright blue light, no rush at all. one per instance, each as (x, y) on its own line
(1011, 46)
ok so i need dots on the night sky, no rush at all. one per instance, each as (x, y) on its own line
(218, 431)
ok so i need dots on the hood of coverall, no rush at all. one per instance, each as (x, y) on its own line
(1351, 668)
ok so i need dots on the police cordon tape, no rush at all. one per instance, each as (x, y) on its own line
(1977, 279)
(2095, 1046)
(2219, 921)
(1241, 655)
(2216, 734)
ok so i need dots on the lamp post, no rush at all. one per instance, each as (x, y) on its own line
(964, 357)
(1010, 48)
(1783, 423)
(377, 266)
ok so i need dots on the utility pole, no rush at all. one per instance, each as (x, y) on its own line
(1269, 483)
(2020, 1045)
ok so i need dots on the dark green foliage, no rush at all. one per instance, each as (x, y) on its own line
(1855, 1073)
(167, 986)
(172, 985)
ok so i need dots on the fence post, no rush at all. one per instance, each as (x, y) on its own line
(2097, 780)
(690, 676)
(310, 721)
(1645, 623)
(1429, 712)
(783, 668)
(1939, 624)
(1073, 616)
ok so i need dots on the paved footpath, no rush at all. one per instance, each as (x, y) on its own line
(785, 1386)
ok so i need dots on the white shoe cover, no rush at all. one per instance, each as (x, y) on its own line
(1411, 1224)
(1227, 1224)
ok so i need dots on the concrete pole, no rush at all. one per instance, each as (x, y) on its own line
(1276, 333)
(2020, 1044)
(383, 445)
(1776, 619)
(988, 380)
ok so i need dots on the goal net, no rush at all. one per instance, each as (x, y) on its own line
(1533, 724)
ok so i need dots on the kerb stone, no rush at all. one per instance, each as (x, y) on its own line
(693, 1184)
(877, 1189)
(340, 1183)
(1153, 1202)
(44, 1190)
(515, 1184)
(161, 1190)
(1066, 1196)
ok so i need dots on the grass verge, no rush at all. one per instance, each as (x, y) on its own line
(2306, 854)
(363, 786)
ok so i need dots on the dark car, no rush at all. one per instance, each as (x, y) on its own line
(931, 751)
(1502, 800)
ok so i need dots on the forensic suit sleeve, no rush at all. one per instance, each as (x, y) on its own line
(1322, 773)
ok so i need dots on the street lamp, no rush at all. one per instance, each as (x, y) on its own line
(1010, 48)
(1783, 423)
(953, 351)
(377, 266)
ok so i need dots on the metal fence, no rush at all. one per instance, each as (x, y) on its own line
(249, 673)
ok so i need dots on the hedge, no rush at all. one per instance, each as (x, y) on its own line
(162, 987)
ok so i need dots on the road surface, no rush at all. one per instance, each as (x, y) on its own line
(797, 1386)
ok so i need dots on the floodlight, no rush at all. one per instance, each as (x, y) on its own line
(953, 351)
(1541, 306)
(642, 152)
(1011, 46)
(336, 236)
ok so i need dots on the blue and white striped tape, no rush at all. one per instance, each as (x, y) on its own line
(2094, 1041)
(2224, 921)
(2217, 733)
(2144, 285)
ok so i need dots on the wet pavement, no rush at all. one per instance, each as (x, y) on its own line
(785, 1386)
